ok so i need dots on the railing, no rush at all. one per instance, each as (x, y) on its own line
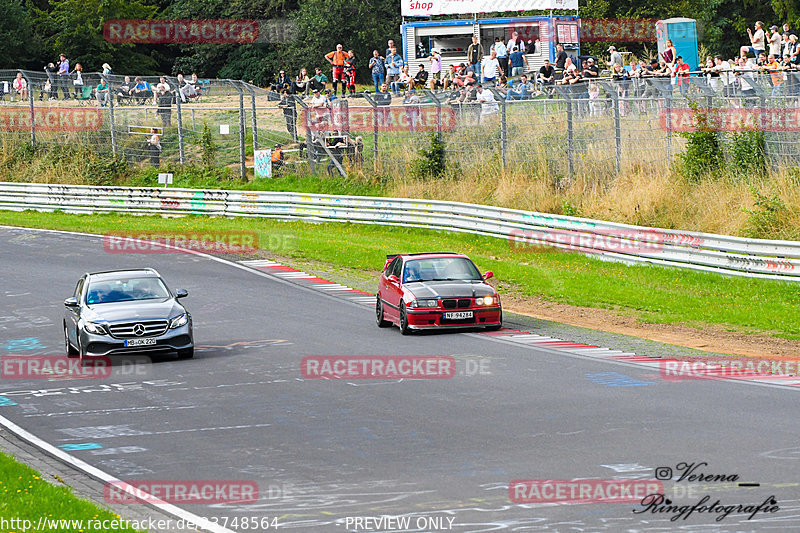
(525, 231)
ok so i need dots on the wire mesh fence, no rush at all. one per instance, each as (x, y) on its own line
(601, 127)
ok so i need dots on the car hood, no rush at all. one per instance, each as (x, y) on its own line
(131, 311)
(449, 289)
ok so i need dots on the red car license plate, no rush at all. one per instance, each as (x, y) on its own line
(458, 315)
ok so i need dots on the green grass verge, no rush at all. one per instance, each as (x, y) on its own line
(25, 496)
(651, 294)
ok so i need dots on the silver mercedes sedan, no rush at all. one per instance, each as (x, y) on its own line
(126, 311)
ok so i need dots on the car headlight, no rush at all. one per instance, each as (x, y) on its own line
(95, 328)
(179, 321)
(486, 300)
(424, 303)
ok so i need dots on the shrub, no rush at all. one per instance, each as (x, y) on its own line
(703, 155)
(432, 162)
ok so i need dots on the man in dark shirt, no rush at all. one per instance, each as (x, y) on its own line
(518, 62)
(283, 82)
(547, 74)
(384, 97)
(421, 78)
(561, 57)
(591, 71)
(475, 55)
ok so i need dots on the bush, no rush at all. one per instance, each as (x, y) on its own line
(768, 218)
(432, 162)
(209, 149)
(703, 155)
(747, 151)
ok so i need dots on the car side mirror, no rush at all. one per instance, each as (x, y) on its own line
(71, 302)
(393, 279)
(489, 274)
(181, 293)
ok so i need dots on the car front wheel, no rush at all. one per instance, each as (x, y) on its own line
(404, 320)
(71, 352)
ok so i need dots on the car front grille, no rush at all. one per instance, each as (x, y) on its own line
(461, 303)
(152, 328)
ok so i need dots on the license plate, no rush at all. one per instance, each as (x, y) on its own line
(139, 342)
(458, 315)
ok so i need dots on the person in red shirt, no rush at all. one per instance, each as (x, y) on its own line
(337, 59)
(682, 74)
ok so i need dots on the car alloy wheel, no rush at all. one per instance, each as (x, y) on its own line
(379, 314)
(71, 352)
(404, 320)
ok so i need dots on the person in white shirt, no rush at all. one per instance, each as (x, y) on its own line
(491, 69)
(487, 101)
(318, 100)
(515, 41)
(775, 42)
(757, 40)
(500, 49)
(616, 58)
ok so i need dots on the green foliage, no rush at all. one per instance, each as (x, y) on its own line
(747, 152)
(432, 162)
(16, 34)
(207, 146)
(768, 216)
(703, 155)
(568, 209)
(105, 170)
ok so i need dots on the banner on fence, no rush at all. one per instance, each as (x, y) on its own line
(51, 119)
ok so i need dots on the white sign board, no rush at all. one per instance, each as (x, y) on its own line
(165, 178)
(224, 129)
(425, 8)
(263, 164)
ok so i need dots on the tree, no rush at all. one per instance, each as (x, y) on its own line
(16, 34)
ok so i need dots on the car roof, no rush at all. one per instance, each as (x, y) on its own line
(431, 255)
(127, 272)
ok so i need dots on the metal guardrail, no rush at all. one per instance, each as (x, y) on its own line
(526, 231)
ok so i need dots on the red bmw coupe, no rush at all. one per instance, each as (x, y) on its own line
(436, 290)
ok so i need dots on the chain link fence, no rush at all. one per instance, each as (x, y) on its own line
(602, 127)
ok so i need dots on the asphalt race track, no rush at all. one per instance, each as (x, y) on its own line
(324, 452)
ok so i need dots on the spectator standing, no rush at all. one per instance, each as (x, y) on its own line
(670, 54)
(107, 70)
(350, 72)
(52, 72)
(491, 69)
(775, 47)
(393, 65)
(757, 41)
(102, 92)
(681, 72)
(518, 62)
(724, 71)
(389, 47)
(501, 50)
(776, 74)
(63, 76)
(616, 58)
(164, 97)
(154, 147)
(336, 59)
(378, 69)
(77, 81)
(436, 69)
(289, 107)
(515, 41)
(475, 55)
(561, 57)
(19, 87)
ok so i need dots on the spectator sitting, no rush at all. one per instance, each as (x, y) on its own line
(571, 74)
(448, 77)
(383, 97)
(300, 85)
(107, 70)
(319, 99)
(590, 71)
(488, 103)
(465, 76)
(102, 93)
(141, 90)
(421, 78)
(547, 74)
(405, 81)
(412, 98)
(521, 90)
(19, 87)
(318, 81)
(283, 82)
(185, 89)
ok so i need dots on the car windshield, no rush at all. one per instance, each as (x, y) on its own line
(440, 269)
(125, 290)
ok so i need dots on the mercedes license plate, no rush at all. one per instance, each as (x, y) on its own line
(139, 342)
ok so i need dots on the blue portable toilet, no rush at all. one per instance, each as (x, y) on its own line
(683, 33)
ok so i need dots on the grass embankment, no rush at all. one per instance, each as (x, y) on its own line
(649, 294)
(24, 495)
(762, 205)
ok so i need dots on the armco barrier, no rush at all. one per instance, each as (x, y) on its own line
(632, 244)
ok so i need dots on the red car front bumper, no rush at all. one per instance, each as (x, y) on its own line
(422, 318)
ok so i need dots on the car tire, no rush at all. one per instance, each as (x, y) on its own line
(404, 320)
(379, 314)
(71, 351)
(186, 353)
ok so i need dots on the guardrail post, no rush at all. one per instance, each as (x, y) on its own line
(570, 135)
(503, 131)
(310, 149)
(111, 117)
(613, 90)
